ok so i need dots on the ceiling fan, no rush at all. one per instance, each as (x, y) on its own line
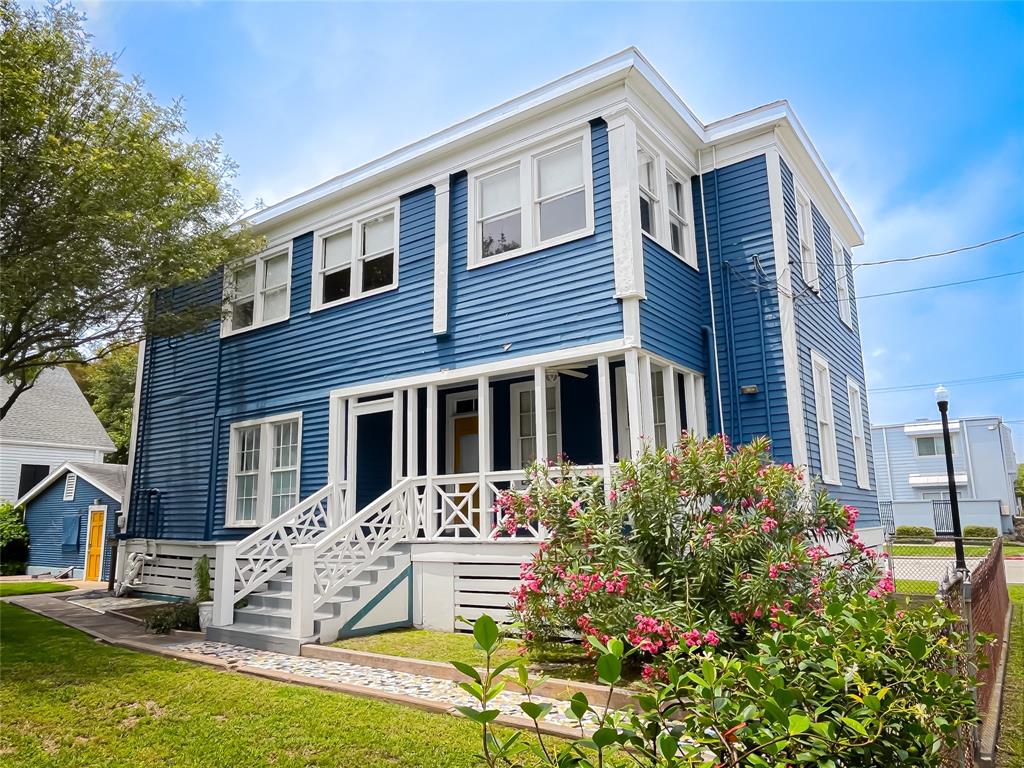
(568, 370)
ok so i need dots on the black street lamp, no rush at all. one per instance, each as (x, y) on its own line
(942, 398)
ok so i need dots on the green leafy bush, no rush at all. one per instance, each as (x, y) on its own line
(980, 532)
(180, 615)
(914, 532)
(13, 540)
(863, 683)
(698, 546)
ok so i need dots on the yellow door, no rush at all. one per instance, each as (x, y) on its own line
(94, 548)
(467, 459)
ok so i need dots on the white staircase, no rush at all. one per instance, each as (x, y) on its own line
(307, 573)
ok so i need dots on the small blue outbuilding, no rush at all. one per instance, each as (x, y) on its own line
(71, 515)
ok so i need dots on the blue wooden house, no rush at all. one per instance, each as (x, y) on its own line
(71, 517)
(582, 270)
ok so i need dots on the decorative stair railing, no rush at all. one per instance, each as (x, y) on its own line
(245, 565)
(322, 569)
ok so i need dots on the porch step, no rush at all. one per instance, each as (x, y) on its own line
(253, 636)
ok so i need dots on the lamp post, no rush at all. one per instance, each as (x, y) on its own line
(942, 398)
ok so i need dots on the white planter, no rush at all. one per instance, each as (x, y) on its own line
(205, 614)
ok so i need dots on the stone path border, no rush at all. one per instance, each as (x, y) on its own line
(420, 691)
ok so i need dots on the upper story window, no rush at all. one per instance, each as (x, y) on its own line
(860, 451)
(533, 201)
(666, 205)
(842, 281)
(263, 481)
(257, 292)
(932, 445)
(808, 249)
(355, 258)
(826, 419)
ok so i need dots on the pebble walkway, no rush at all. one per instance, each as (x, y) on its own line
(385, 680)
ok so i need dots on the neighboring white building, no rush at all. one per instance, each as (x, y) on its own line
(50, 424)
(910, 469)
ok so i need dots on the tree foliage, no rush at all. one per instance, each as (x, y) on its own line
(109, 385)
(106, 199)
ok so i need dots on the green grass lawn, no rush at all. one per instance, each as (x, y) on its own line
(15, 588)
(946, 550)
(431, 645)
(66, 700)
(1010, 753)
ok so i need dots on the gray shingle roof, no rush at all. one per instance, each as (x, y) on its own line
(54, 410)
(111, 476)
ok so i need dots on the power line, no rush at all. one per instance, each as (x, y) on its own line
(940, 253)
(941, 285)
(992, 378)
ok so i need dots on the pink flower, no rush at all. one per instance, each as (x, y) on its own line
(769, 524)
(711, 638)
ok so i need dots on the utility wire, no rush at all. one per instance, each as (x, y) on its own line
(940, 253)
(993, 378)
(941, 285)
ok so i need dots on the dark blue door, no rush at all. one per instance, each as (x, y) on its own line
(373, 456)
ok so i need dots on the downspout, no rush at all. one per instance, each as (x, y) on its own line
(713, 330)
(764, 357)
(735, 409)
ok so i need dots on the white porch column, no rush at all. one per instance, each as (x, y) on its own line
(441, 216)
(428, 494)
(627, 240)
(337, 440)
(224, 584)
(671, 404)
(604, 390)
(350, 457)
(302, 590)
(646, 400)
(483, 418)
(540, 412)
(690, 396)
(633, 402)
(412, 426)
(397, 430)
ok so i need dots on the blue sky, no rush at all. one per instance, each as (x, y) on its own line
(918, 110)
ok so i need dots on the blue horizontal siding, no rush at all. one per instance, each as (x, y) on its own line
(675, 308)
(195, 387)
(44, 517)
(746, 302)
(819, 327)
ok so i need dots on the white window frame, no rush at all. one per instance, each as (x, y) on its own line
(355, 222)
(860, 450)
(842, 282)
(529, 200)
(806, 242)
(665, 166)
(554, 396)
(263, 481)
(70, 484)
(825, 413)
(260, 260)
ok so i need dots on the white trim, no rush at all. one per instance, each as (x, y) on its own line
(70, 486)
(621, 414)
(938, 480)
(857, 432)
(526, 160)
(263, 481)
(787, 315)
(101, 450)
(928, 428)
(450, 399)
(823, 407)
(667, 163)
(631, 321)
(103, 532)
(627, 242)
(839, 267)
(673, 423)
(810, 271)
(355, 224)
(512, 365)
(516, 448)
(78, 468)
(646, 399)
(356, 409)
(442, 216)
(604, 393)
(634, 406)
(260, 260)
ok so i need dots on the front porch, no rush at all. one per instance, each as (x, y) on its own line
(462, 440)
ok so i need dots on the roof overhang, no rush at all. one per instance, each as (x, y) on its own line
(69, 466)
(935, 480)
(626, 68)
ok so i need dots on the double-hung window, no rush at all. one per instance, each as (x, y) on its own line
(842, 281)
(666, 204)
(535, 200)
(263, 480)
(355, 258)
(524, 423)
(660, 410)
(805, 232)
(257, 292)
(860, 450)
(826, 420)
(932, 445)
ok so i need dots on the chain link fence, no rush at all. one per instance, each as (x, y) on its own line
(919, 566)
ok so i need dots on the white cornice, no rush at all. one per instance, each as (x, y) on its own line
(626, 67)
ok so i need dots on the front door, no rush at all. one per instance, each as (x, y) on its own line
(94, 544)
(373, 456)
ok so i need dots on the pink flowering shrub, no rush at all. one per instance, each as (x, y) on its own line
(698, 546)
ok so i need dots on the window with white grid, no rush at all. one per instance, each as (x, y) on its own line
(524, 423)
(264, 474)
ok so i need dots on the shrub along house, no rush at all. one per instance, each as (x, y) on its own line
(585, 269)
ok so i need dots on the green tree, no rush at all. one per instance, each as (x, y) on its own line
(109, 384)
(1019, 485)
(106, 200)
